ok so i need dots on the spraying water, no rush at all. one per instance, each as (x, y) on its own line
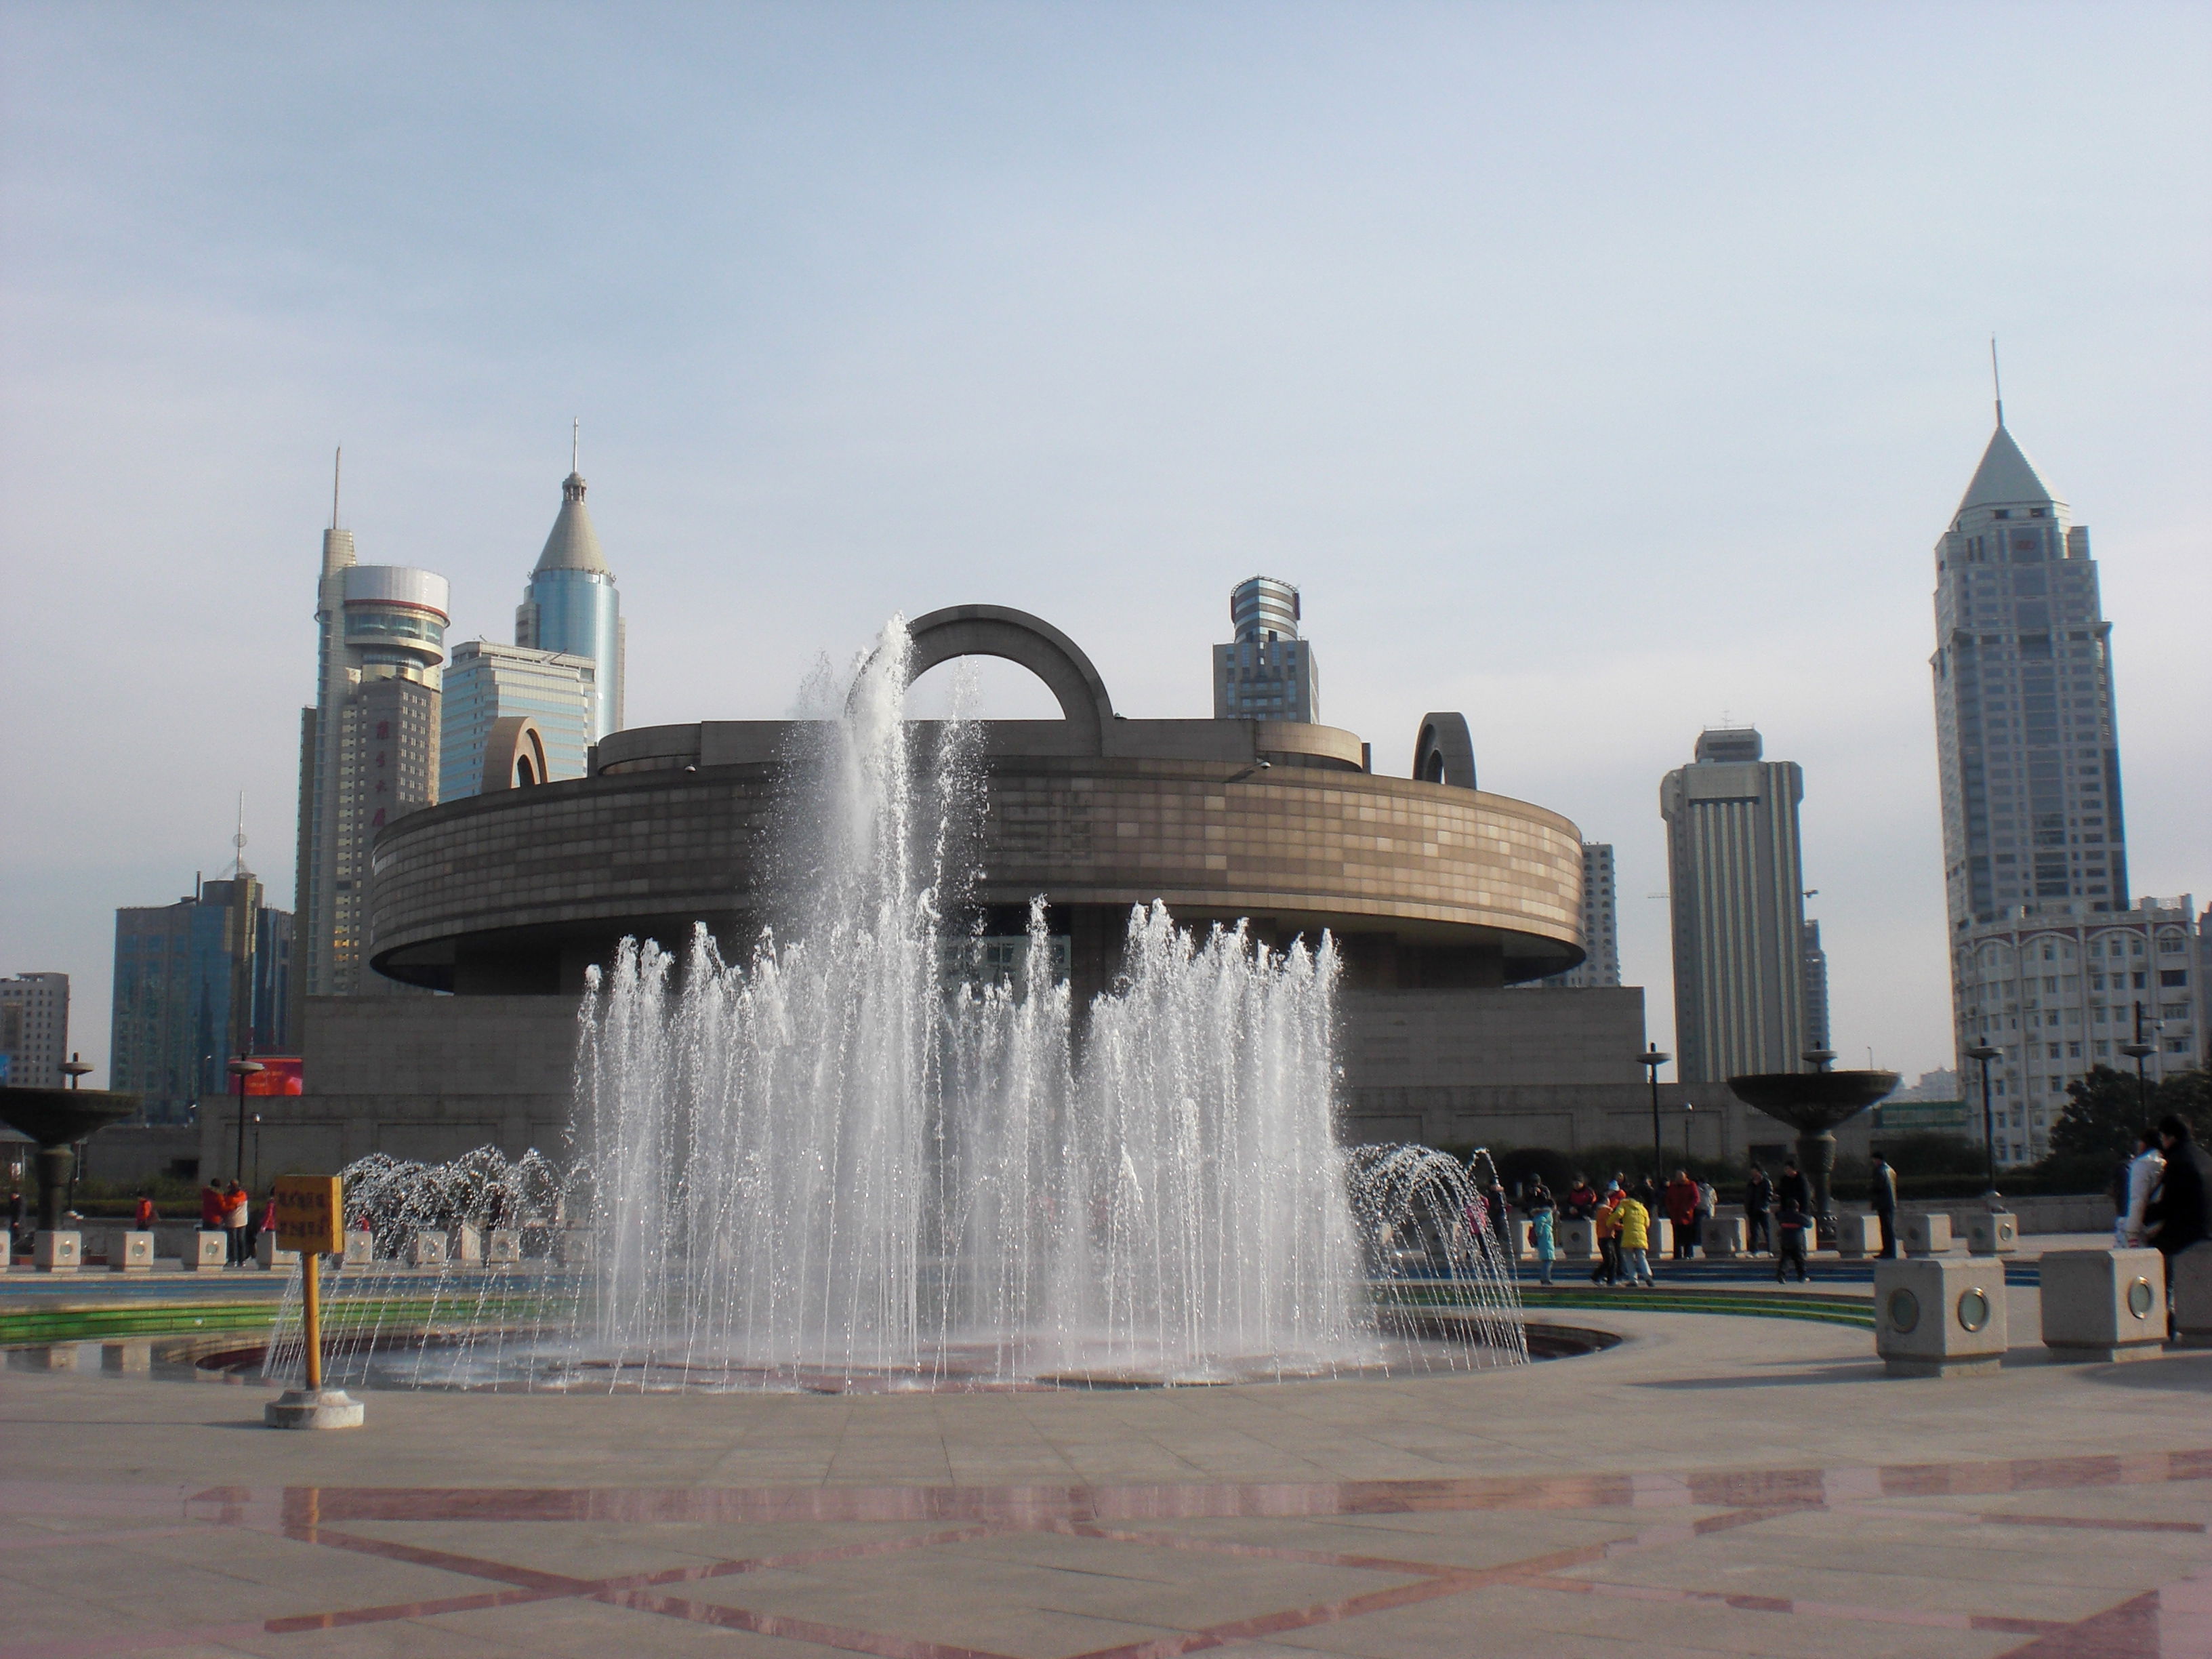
(855, 1158)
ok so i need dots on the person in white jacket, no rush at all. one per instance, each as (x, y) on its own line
(2144, 1169)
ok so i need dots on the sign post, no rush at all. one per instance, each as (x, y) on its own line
(311, 1219)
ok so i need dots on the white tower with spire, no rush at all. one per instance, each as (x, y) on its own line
(570, 606)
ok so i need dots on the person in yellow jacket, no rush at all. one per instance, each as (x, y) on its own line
(1635, 1224)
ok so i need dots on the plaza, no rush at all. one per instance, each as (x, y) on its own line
(1712, 1484)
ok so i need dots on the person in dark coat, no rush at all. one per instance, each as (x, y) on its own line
(2174, 1218)
(1881, 1194)
(1757, 1207)
(1794, 1188)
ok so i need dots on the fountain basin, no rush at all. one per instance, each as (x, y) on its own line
(55, 1118)
(1813, 1104)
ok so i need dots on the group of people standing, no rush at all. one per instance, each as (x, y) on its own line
(227, 1207)
(1779, 1214)
(2159, 1195)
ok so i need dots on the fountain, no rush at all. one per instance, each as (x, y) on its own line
(854, 1160)
(1814, 1103)
(56, 1118)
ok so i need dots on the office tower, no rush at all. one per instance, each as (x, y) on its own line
(34, 1029)
(369, 750)
(1266, 672)
(2035, 840)
(1738, 911)
(1601, 928)
(195, 983)
(570, 605)
(486, 683)
(1817, 1034)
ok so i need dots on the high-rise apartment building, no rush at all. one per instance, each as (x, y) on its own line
(1737, 883)
(570, 605)
(1600, 965)
(34, 1029)
(2049, 958)
(486, 683)
(368, 750)
(195, 983)
(1266, 672)
(1817, 1032)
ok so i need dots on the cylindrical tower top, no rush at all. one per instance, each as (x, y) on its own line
(396, 615)
(1263, 605)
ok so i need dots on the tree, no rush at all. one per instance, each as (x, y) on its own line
(2102, 1116)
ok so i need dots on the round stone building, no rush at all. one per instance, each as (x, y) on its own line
(1425, 882)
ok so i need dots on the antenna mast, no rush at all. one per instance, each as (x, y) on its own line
(1997, 381)
(337, 471)
(575, 436)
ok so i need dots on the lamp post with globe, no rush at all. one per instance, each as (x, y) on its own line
(1652, 1060)
(2139, 1050)
(1984, 1052)
(242, 1068)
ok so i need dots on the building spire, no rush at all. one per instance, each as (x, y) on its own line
(337, 471)
(575, 436)
(1997, 381)
(237, 841)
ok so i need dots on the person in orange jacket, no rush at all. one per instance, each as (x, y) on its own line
(1606, 1224)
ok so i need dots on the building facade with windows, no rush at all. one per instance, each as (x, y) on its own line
(34, 1029)
(369, 750)
(486, 683)
(1600, 925)
(1736, 880)
(195, 983)
(2047, 950)
(1818, 1033)
(570, 607)
(2067, 989)
(1266, 672)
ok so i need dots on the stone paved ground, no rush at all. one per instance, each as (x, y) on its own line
(1713, 1485)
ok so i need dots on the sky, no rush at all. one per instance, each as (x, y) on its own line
(1606, 372)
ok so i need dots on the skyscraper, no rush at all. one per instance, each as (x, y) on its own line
(1738, 910)
(1817, 1032)
(369, 748)
(1266, 672)
(1600, 965)
(196, 982)
(34, 1029)
(486, 683)
(2052, 964)
(570, 605)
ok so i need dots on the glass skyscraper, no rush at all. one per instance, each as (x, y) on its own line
(570, 606)
(196, 982)
(486, 683)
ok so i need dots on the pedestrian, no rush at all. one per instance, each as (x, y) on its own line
(1636, 1242)
(1607, 1224)
(2139, 1179)
(237, 1213)
(268, 1218)
(1709, 1204)
(1501, 1219)
(212, 1207)
(2174, 1218)
(15, 1216)
(1757, 1207)
(1790, 1222)
(1881, 1194)
(1543, 1234)
(1793, 1185)
(1682, 1214)
(146, 1215)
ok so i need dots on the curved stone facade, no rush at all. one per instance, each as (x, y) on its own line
(520, 889)
(1424, 884)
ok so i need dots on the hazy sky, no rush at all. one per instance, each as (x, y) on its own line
(1601, 371)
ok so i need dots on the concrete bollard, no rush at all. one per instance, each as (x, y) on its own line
(131, 1252)
(2103, 1305)
(360, 1249)
(465, 1248)
(427, 1251)
(2192, 1295)
(1726, 1237)
(209, 1253)
(1993, 1233)
(266, 1253)
(572, 1247)
(1933, 1317)
(503, 1248)
(56, 1253)
(1859, 1236)
(1662, 1238)
(1921, 1234)
(1578, 1240)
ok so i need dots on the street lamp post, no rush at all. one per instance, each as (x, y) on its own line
(1652, 1060)
(2138, 1051)
(1689, 1107)
(74, 1069)
(242, 1068)
(1985, 1054)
